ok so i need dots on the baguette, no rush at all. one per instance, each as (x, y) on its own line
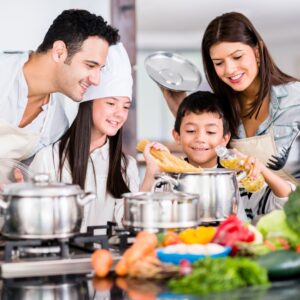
(167, 161)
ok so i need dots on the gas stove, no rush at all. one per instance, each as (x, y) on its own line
(37, 257)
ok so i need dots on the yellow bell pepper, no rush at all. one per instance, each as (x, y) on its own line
(200, 235)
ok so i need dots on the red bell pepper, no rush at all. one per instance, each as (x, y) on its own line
(233, 230)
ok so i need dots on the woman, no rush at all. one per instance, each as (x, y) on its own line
(90, 152)
(263, 102)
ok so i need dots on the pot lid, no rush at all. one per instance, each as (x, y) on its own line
(41, 187)
(173, 71)
(160, 196)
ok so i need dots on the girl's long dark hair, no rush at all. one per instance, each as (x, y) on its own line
(75, 148)
(235, 27)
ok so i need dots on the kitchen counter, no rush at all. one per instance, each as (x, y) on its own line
(85, 287)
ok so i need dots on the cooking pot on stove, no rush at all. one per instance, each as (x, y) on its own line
(46, 289)
(42, 210)
(217, 189)
(160, 210)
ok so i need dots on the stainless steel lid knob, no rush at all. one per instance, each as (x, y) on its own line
(41, 178)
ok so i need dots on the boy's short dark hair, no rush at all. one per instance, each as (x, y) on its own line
(201, 102)
(73, 27)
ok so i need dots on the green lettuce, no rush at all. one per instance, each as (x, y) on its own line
(274, 225)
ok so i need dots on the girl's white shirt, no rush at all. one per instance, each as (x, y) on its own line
(105, 207)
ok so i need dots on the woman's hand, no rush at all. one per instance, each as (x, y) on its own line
(173, 99)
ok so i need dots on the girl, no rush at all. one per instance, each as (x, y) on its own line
(90, 152)
(263, 102)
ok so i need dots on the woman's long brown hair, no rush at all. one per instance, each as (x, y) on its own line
(75, 148)
(235, 27)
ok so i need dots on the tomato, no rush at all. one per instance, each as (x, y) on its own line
(170, 238)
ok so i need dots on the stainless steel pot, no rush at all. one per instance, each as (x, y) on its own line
(46, 289)
(42, 210)
(160, 210)
(217, 189)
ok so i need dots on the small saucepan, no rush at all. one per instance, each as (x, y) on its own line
(160, 210)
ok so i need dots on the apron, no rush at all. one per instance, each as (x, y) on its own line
(16, 143)
(20, 143)
(262, 147)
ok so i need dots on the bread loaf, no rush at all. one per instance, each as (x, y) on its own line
(167, 161)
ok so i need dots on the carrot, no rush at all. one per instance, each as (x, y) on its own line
(146, 236)
(137, 295)
(101, 262)
(122, 283)
(102, 284)
(144, 244)
(121, 267)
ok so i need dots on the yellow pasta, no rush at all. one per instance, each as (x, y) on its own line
(167, 161)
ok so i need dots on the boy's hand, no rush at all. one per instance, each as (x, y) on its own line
(251, 164)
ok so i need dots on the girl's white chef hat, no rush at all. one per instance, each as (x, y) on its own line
(115, 79)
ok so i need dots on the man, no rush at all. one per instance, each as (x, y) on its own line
(36, 87)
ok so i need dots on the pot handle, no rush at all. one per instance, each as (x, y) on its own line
(85, 198)
(3, 204)
(165, 179)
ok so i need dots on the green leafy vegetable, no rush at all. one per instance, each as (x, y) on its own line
(219, 275)
(275, 224)
(292, 210)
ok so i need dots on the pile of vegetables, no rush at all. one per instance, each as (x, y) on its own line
(283, 223)
(272, 245)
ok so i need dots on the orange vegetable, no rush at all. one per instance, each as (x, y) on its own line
(121, 268)
(122, 283)
(147, 237)
(101, 262)
(170, 238)
(102, 284)
(144, 244)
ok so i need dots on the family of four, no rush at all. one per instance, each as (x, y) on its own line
(63, 107)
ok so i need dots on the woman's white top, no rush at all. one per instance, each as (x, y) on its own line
(105, 207)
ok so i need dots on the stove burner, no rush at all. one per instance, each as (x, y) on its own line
(34, 257)
(67, 247)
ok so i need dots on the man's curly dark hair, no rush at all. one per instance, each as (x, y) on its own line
(73, 27)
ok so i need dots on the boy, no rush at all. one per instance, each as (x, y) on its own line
(200, 126)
